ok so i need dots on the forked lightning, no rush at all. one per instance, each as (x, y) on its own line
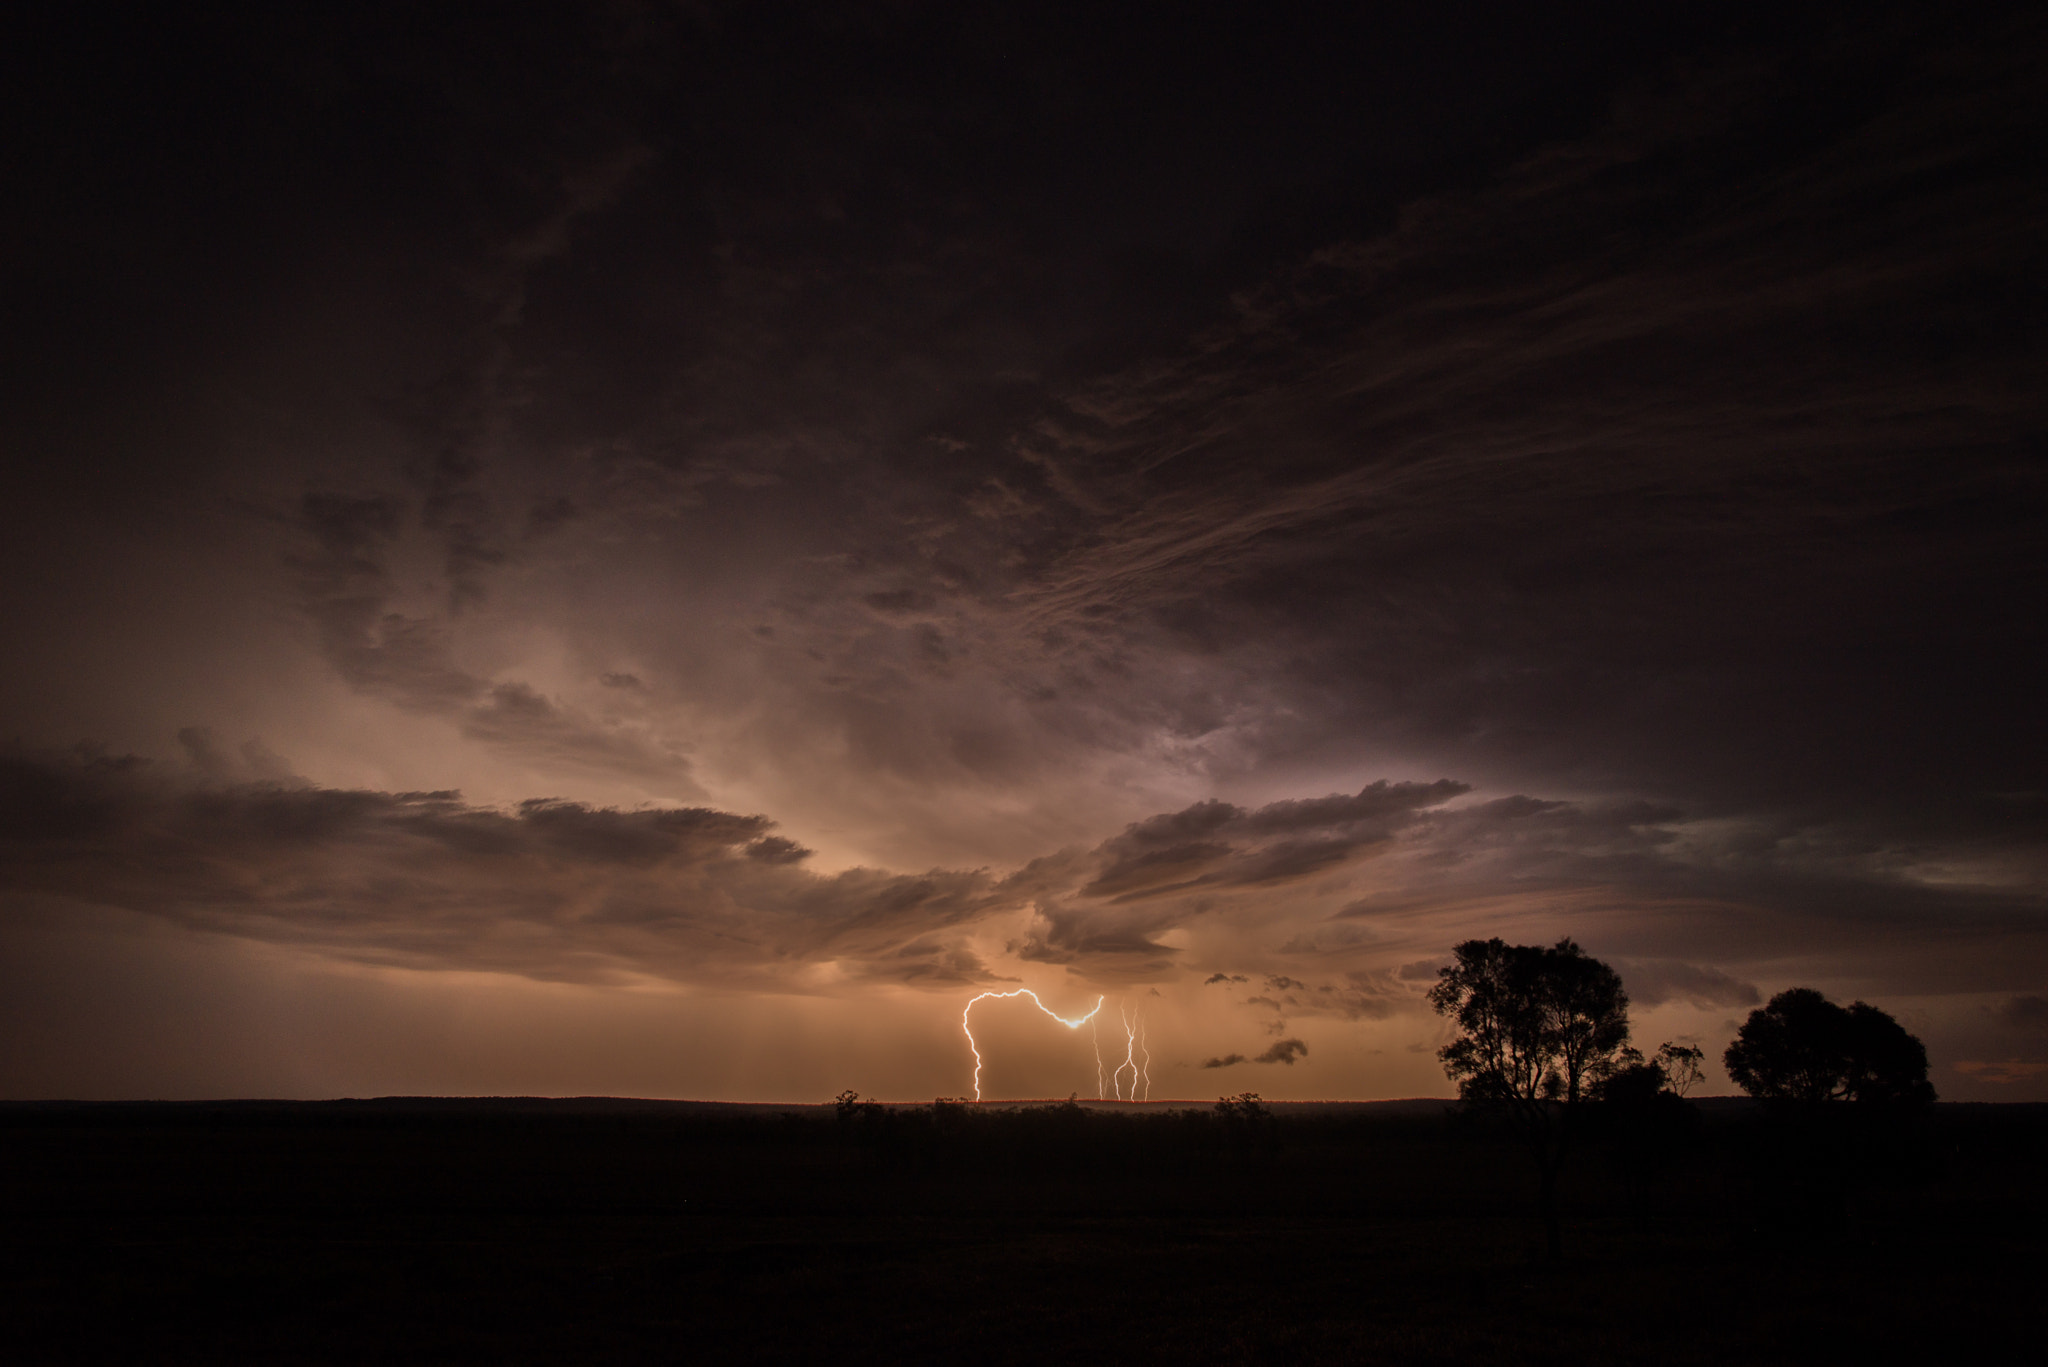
(967, 1028)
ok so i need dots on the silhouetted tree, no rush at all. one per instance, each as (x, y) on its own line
(1542, 1028)
(866, 1123)
(1243, 1109)
(1802, 1048)
(1673, 1071)
(1646, 1119)
(1681, 1064)
(1842, 1089)
(1248, 1126)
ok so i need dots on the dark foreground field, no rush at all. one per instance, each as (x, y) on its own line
(569, 1232)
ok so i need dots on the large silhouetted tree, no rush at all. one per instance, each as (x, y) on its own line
(1840, 1087)
(1541, 1030)
(1802, 1048)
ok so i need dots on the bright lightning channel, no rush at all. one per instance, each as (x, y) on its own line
(1134, 1045)
(1074, 1024)
(1148, 1057)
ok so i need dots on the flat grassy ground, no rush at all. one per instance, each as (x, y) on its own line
(626, 1232)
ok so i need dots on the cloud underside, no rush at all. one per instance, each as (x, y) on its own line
(1588, 471)
(549, 890)
(562, 890)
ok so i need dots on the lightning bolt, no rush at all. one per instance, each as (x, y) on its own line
(967, 1028)
(1134, 1045)
(1148, 1057)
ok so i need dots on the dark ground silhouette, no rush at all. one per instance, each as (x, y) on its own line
(596, 1231)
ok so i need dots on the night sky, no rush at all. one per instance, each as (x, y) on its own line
(661, 549)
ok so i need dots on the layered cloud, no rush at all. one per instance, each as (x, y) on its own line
(561, 890)
(1104, 910)
(550, 890)
(349, 591)
(1550, 476)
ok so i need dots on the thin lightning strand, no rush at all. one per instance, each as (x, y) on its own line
(1117, 1079)
(968, 1030)
(1134, 1048)
(1132, 1026)
(1095, 1032)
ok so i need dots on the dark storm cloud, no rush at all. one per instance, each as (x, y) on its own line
(551, 889)
(775, 849)
(1286, 1051)
(560, 889)
(1105, 910)
(1682, 904)
(1101, 947)
(1666, 889)
(891, 300)
(1572, 840)
(1675, 388)
(1664, 892)
(987, 425)
(1654, 451)
(2027, 1011)
(1214, 844)
(1613, 480)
